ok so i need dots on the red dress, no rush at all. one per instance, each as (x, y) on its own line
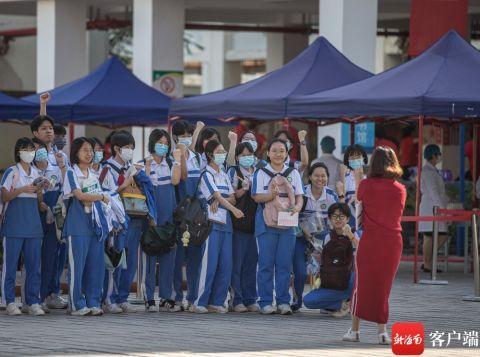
(380, 247)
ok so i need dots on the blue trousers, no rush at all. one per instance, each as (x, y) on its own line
(125, 277)
(180, 260)
(163, 277)
(299, 269)
(31, 250)
(86, 269)
(112, 277)
(53, 256)
(215, 269)
(190, 255)
(244, 273)
(328, 299)
(275, 256)
(60, 265)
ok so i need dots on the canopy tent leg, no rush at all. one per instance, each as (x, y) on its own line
(474, 169)
(461, 230)
(417, 195)
(352, 133)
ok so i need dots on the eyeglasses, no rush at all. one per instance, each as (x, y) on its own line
(338, 217)
(87, 151)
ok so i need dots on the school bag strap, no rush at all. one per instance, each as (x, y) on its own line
(285, 174)
(204, 172)
(197, 156)
(239, 175)
(103, 174)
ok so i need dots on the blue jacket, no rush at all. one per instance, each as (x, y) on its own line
(143, 181)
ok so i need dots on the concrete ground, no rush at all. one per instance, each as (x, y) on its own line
(308, 333)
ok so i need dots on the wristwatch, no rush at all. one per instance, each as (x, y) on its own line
(303, 142)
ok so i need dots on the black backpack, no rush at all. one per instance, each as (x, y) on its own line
(247, 205)
(191, 215)
(158, 240)
(336, 263)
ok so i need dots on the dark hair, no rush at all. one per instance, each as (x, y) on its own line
(156, 135)
(384, 163)
(38, 121)
(407, 131)
(22, 143)
(316, 166)
(248, 132)
(242, 146)
(205, 134)
(275, 140)
(59, 129)
(287, 134)
(39, 142)
(210, 148)
(97, 141)
(354, 150)
(340, 206)
(76, 146)
(430, 151)
(182, 127)
(108, 139)
(121, 138)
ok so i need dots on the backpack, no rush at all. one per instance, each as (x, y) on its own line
(247, 205)
(284, 200)
(336, 263)
(158, 240)
(191, 217)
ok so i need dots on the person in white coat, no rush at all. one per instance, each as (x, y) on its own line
(433, 194)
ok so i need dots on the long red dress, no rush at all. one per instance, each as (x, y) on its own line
(380, 247)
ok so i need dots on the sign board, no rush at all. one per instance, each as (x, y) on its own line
(169, 82)
(364, 136)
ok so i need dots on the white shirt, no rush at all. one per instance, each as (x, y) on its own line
(110, 182)
(433, 194)
(261, 180)
(160, 173)
(232, 174)
(327, 198)
(333, 164)
(16, 177)
(74, 180)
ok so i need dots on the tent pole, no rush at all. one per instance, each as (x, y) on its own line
(417, 195)
(474, 170)
(352, 133)
(461, 230)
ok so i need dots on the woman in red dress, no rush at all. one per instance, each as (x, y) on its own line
(378, 255)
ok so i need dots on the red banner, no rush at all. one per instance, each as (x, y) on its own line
(431, 19)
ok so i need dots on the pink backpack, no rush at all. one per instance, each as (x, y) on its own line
(284, 200)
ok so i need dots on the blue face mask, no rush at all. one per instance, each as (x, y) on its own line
(355, 164)
(219, 158)
(98, 156)
(246, 161)
(161, 149)
(41, 155)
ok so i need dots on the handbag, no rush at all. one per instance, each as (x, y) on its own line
(158, 240)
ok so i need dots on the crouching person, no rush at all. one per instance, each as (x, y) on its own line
(336, 260)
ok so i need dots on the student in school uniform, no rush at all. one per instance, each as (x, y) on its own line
(97, 156)
(216, 266)
(116, 180)
(245, 257)
(164, 172)
(60, 136)
(52, 246)
(318, 198)
(184, 136)
(22, 230)
(85, 231)
(206, 135)
(276, 246)
(285, 136)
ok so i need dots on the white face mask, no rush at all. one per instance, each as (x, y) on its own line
(126, 154)
(27, 156)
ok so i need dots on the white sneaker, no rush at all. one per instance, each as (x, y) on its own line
(267, 310)
(253, 308)
(35, 310)
(240, 308)
(96, 311)
(127, 307)
(344, 310)
(151, 307)
(24, 308)
(217, 309)
(284, 309)
(55, 302)
(198, 309)
(112, 309)
(384, 339)
(351, 336)
(82, 312)
(13, 310)
(169, 306)
(45, 308)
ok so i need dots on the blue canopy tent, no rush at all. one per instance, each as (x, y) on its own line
(13, 109)
(109, 96)
(317, 68)
(443, 82)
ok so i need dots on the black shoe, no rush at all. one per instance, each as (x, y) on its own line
(295, 308)
(426, 270)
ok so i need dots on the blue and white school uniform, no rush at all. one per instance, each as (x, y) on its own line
(53, 250)
(191, 254)
(216, 264)
(22, 233)
(350, 192)
(321, 205)
(118, 290)
(276, 246)
(245, 256)
(161, 177)
(85, 249)
(203, 161)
